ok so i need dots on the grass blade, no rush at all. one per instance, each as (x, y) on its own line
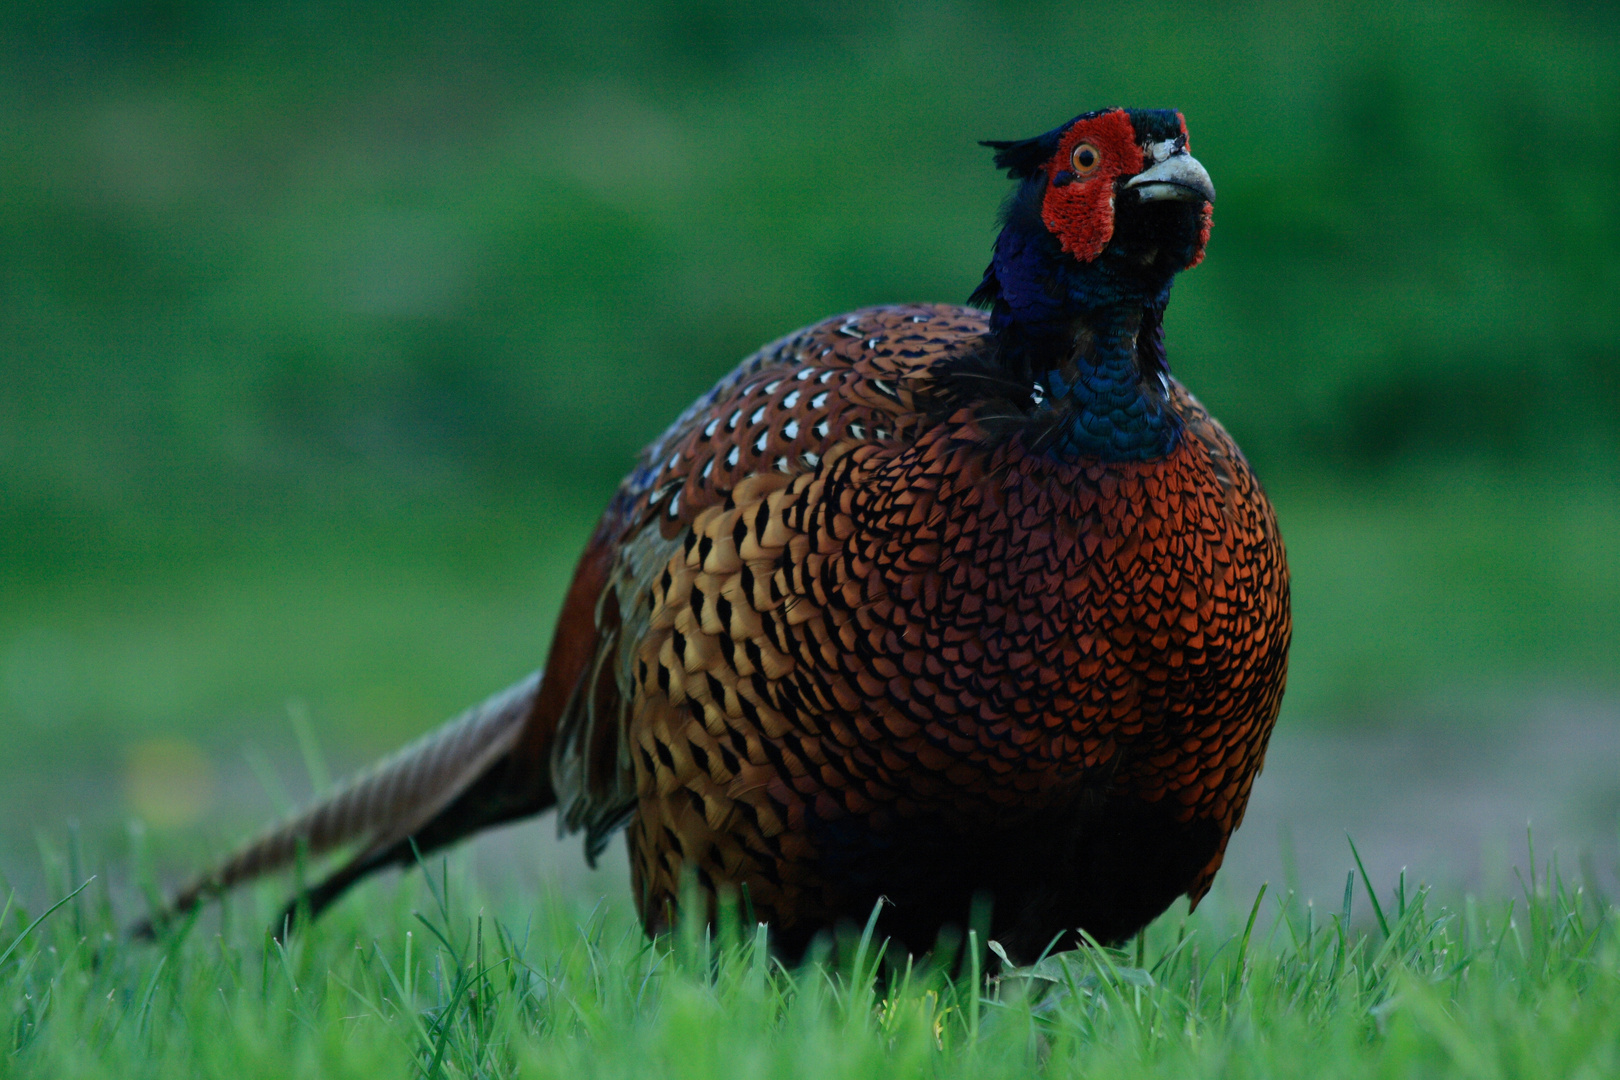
(1378, 911)
(29, 929)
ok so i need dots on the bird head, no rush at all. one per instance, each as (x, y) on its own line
(1119, 197)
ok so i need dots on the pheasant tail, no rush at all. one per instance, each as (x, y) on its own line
(449, 783)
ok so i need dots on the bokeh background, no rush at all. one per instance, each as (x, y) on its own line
(326, 330)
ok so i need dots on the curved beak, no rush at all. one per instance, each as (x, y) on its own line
(1178, 178)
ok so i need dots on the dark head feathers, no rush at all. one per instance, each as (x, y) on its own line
(1022, 158)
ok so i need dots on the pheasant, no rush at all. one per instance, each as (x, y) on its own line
(926, 604)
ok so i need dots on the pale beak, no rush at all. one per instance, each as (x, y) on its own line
(1178, 178)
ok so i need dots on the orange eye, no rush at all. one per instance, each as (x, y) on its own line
(1086, 159)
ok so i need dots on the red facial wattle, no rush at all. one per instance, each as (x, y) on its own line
(1204, 220)
(1080, 211)
(1078, 206)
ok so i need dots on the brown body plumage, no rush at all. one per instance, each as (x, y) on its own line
(854, 628)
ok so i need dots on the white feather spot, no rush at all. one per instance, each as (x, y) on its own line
(1159, 151)
(791, 400)
(820, 399)
(759, 414)
(826, 377)
(708, 468)
(858, 430)
(762, 442)
(790, 430)
(810, 458)
(731, 458)
(770, 387)
(711, 427)
(821, 429)
(805, 373)
(782, 464)
(675, 504)
(731, 425)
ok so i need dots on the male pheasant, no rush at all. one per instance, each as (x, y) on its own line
(922, 602)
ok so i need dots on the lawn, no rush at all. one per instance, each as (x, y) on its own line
(432, 980)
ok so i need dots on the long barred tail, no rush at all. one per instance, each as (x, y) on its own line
(452, 782)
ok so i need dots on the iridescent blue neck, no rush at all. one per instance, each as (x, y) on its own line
(1101, 401)
(1088, 338)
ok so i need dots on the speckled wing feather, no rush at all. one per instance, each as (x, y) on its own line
(779, 414)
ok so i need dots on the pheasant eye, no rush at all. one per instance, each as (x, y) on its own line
(1086, 159)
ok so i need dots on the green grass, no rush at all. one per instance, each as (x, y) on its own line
(1400, 987)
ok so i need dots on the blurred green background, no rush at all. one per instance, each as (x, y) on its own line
(327, 329)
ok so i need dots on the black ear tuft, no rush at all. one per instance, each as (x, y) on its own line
(1024, 157)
